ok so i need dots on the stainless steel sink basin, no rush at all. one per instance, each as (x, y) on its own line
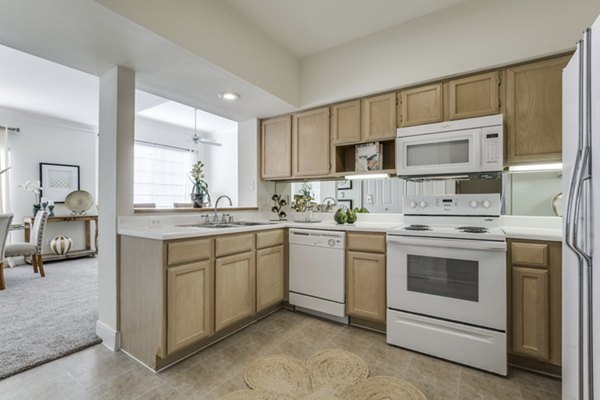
(210, 226)
(250, 223)
(219, 225)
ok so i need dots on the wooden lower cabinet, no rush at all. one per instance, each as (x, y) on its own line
(535, 301)
(189, 304)
(530, 312)
(234, 289)
(366, 286)
(270, 264)
(366, 276)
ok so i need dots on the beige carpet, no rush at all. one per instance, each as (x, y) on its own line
(328, 375)
(42, 319)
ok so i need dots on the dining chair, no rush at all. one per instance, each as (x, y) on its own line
(35, 245)
(5, 221)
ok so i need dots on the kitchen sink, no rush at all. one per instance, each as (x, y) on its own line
(210, 225)
(250, 223)
(220, 225)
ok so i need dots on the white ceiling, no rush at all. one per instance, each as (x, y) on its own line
(307, 27)
(39, 86)
(174, 113)
(85, 35)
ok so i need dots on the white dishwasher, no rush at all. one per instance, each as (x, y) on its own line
(317, 272)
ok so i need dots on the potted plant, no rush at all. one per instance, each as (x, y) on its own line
(35, 188)
(200, 197)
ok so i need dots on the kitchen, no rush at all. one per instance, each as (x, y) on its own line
(448, 273)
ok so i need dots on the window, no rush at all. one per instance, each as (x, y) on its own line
(161, 175)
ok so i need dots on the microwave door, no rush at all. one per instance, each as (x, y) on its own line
(439, 153)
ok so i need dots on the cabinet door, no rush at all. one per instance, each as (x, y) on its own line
(366, 285)
(269, 277)
(345, 125)
(422, 105)
(276, 148)
(311, 140)
(530, 312)
(474, 96)
(534, 112)
(379, 117)
(189, 304)
(234, 289)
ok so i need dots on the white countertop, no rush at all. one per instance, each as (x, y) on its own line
(166, 227)
(533, 228)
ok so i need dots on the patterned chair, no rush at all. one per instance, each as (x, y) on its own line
(35, 245)
(5, 220)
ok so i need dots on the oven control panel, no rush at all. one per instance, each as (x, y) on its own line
(458, 204)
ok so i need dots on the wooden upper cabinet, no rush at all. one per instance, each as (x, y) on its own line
(534, 112)
(421, 105)
(310, 143)
(474, 96)
(345, 124)
(189, 304)
(276, 148)
(379, 117)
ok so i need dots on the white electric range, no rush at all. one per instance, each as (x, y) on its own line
(446, 280)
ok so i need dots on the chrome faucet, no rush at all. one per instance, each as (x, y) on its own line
(216, 217)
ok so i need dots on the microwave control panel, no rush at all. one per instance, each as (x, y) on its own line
(492, 148)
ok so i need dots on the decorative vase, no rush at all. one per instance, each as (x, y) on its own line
(51, 209)
(198, 200)
(36, 208)
(61, 245)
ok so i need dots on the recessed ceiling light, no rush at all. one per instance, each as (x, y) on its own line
(229, 96)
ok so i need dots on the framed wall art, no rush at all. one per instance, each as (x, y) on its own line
(58, 180)
(345, 202)
(344, 185)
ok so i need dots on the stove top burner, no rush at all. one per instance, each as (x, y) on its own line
(416, 227)
(472, 229)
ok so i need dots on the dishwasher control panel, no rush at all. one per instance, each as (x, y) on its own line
(319, 238)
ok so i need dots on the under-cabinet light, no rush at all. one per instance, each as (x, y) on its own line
(367, 176)
(536, 167)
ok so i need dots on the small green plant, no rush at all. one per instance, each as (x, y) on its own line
(199, 185)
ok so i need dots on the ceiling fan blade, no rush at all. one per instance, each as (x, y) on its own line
(211, 142)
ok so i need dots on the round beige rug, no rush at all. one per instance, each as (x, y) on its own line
(336, 369)
(254, 395)
(282, 375)
(382, 388)
(330, 375)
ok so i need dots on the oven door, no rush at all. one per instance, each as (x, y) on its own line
(454, 279)
(455, 152)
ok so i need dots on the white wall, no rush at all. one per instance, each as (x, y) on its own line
(45, 139)
(471, 36)
(249, 181)
(222, 167)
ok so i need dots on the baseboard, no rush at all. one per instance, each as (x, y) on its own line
(110, 337)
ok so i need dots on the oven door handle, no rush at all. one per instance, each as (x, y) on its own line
(448, 243)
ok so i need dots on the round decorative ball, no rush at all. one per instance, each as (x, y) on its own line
(61, 245)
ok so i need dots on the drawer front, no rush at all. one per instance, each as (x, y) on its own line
(234, 244)
(532, 254)
(367, 242)
(188, 251)
(269, 238)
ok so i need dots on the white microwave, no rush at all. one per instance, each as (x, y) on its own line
(465, 146)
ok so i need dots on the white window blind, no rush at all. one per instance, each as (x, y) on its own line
(161, 175)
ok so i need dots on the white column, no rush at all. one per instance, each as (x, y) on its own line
(248, 173)
(115, 190)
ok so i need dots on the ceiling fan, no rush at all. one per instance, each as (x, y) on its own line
(198, 139)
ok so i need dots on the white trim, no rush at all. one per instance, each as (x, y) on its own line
(14, 116)
(110, 337)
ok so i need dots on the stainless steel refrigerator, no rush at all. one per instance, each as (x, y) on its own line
(581, 222)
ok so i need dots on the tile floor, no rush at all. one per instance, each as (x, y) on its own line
(97, 373)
